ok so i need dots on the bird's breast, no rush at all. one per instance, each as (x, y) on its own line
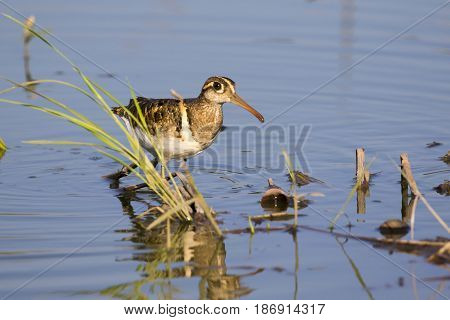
(205, 122)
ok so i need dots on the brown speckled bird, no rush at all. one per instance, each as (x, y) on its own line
(184, 130)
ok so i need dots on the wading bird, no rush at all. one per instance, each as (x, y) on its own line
(181, 130)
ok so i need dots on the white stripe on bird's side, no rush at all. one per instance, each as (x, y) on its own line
(172, 147)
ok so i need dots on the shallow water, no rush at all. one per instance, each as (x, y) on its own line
(57, 213)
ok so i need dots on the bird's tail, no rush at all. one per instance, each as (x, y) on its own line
(117, 110)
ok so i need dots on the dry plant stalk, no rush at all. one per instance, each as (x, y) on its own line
(272, 216)
(362, 173)
(408, 176)
(362, 178)
(350, 195)
(442, 255)
(250, 225)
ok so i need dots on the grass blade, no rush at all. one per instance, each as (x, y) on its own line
(2, 145)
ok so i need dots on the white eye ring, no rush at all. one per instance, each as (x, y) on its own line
(217, 86)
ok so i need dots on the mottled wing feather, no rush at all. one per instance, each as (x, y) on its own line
(163, 116)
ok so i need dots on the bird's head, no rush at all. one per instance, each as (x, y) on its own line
(222, 90)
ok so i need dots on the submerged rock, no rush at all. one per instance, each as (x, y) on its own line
(394, 228)
(443, 188)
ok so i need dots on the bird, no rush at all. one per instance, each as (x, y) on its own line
(181, 129)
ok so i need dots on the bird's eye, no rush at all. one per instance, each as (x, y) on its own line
(217, 86)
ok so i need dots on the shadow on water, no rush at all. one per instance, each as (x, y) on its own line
(185, 251)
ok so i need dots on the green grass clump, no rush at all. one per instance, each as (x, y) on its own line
(127, 153)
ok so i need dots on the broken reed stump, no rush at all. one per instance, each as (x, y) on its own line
(362, 173)
(408, 206)
(406, 212)
(362, 180)
(407, 179)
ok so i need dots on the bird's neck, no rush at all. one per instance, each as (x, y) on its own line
(205, 119)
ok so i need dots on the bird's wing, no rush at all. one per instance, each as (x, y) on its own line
(163, 116)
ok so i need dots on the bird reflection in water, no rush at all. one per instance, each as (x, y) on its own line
(187, 251)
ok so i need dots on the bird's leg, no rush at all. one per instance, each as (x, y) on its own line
(125, 171)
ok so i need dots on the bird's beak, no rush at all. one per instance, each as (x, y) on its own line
(237, 100)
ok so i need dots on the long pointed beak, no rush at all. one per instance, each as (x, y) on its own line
(237, 100)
